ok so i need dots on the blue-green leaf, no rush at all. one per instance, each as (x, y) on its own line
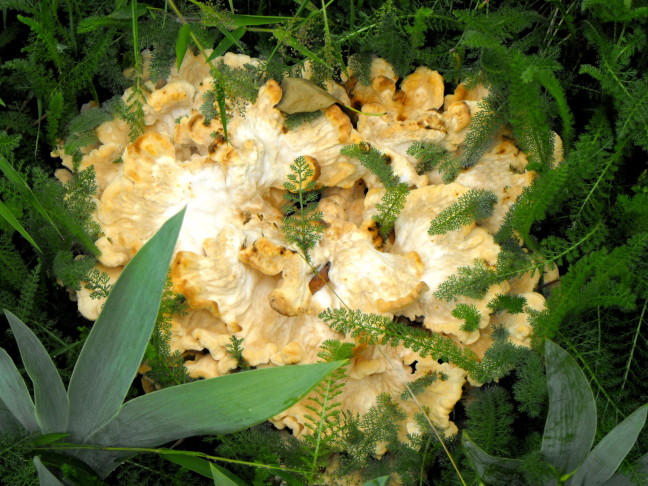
(14, 394)
(8, 422)
(571, 419)
(116, 344)
(215, 406)
(491, 469)
(638, 469)
(222, 477)
(45, 477)
(51, 400)
(182, 42)
(608, 454)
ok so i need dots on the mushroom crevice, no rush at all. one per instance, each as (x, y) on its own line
(238, 274)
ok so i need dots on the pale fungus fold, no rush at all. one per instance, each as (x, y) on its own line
(241, 278)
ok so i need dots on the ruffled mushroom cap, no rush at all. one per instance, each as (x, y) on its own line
(442, 255)
(231, 263)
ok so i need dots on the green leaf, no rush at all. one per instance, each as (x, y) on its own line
(20, 184)
(51, 400)
(608, 454)
(182, 42)
(14, 394)
(45, 477)
(215, 406)
(191, 462)
(222, 477)
(492, 470)
(49, 438)
(381, 481)
(115, 346)
(2, 103)
(15, 224)
(571, 420)
(226, 43)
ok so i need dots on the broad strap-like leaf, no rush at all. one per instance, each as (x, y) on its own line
(116, 344)
(215, 406)
(639, 469)
(491, 469)
(571, 420)
(8, 422)
(45, 477)
(608, 454)
(52, 407)
(15, 395)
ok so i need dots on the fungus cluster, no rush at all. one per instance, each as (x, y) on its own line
(232, 264)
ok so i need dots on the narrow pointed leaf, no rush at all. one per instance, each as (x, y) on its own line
(247, 20)
(45, 477)
(222, 477)
(182, 43)
(15, 224)
(50, 398)
(14, 394)
(116, 344)
(571, 419)
(193, 463)
(381, 481)
(215, 406)
(226, 43)
(49, 438)
(608, 454)
(491, 469)
(20, 184)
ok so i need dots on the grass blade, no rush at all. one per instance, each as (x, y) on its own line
(571, 420)
(14, 394)
(116, 344)
(182, 43)
(15, 224)
(20, 184)
(51, 400)
(226, 43)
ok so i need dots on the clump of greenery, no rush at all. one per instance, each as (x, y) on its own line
(474, 205)
(303, 224)
(393, 201)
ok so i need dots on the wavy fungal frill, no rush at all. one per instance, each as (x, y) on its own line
(241, 278)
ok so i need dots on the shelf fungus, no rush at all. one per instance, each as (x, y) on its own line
(241, 278)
